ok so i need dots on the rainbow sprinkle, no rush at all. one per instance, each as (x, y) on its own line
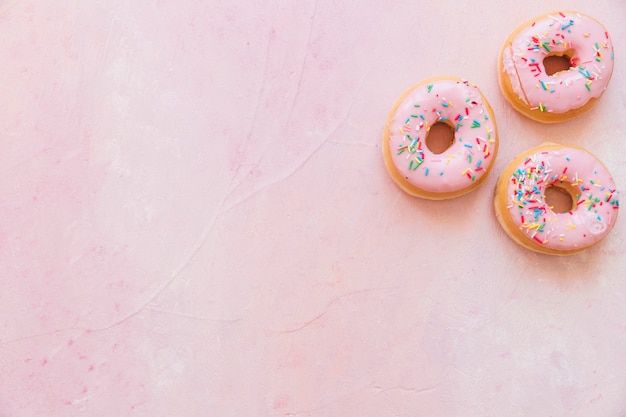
(526, 192)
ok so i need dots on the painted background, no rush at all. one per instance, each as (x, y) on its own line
(195, 219)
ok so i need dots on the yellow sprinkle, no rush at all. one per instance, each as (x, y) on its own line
(401, 131)
(586, 35)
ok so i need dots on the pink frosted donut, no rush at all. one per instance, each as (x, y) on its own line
(556, 66)
(556, 199)
(414, 155)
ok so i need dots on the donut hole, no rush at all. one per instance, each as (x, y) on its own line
(562, 197)
(557, 62)
(440, 137)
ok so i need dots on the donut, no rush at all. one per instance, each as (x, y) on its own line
(440, 139)
(556, 66)
(556, 199)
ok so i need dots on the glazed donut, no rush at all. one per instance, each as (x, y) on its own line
(440, 139)
(556, 66)
(556, 199)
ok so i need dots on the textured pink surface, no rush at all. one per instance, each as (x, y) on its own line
(195, 220)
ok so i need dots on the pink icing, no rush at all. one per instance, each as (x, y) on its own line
(596, 209)
(592, 63)
(461, 105)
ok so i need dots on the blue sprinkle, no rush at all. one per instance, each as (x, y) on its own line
(585, 72)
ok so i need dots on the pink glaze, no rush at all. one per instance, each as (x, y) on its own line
(554, 34)
(461, 105)
(596, 208)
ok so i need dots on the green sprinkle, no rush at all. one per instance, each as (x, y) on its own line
(430, 87)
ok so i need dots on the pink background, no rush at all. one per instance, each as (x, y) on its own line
(195, 219)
